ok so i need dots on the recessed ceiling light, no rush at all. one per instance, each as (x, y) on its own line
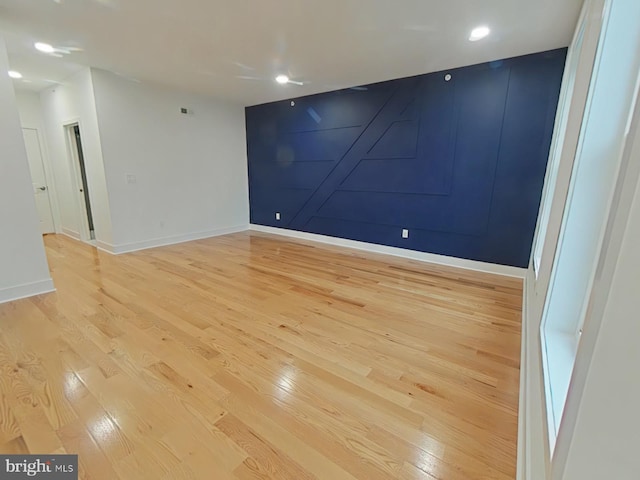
(479, 33)
(282, 79)
(14, 74)
(44, 47)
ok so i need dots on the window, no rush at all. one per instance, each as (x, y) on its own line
(610, 103)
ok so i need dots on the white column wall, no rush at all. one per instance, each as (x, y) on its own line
(23, 264)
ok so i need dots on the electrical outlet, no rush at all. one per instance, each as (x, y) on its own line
(131, 178)
(277, 215)
(405, 233)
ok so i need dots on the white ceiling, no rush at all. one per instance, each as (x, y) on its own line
(234, 48)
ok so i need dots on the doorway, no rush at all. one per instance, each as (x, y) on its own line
(76, 154)
(39, 181)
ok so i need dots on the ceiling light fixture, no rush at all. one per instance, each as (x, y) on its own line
(282, 79)
(479, 33)
(44, 47)
(14, 74)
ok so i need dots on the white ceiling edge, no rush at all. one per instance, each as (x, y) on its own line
(220, 49)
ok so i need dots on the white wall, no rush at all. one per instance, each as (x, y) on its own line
(31, 116)
(190, 170)
(600, 426)
(29, 109)
(533, 448)
(593, 180)
(73, 100)
(23, 265)
(600, 434)
(592, 185)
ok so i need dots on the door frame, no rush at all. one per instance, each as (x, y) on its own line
(76, 175)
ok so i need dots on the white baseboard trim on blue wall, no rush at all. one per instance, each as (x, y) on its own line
(17, 292)
(397, 252)
(164, 241)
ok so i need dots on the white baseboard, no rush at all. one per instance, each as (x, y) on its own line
(161, 242)
(26, 290)
(71, 233)
(398, 252)
(104, 246)
(94, 243)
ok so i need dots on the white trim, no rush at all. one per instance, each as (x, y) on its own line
(533, 461)
(562, 130)
(71, 233)
(551, 423)
(17, 292)
(76, 174)
(397, 252)
(523, 411)
(550, 319)
(160, 242)
(104, 246)
(76, 236)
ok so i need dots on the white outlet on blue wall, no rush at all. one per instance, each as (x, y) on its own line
(277, 215)
(405, 233)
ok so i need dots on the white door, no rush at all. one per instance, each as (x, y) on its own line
(39, 180)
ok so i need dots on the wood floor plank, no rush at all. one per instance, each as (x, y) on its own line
(9, 428)
(16, 446)
(251, 356)
(263, 459)
(77, 440)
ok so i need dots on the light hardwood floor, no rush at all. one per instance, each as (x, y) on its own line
(254, 356)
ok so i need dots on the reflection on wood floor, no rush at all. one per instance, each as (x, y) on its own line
(255, 356)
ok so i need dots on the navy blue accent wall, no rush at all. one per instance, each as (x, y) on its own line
(459, 163)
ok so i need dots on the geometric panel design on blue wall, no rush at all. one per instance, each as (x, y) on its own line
(399, 141)
(458, 162)
(316, 146)
(450, 116)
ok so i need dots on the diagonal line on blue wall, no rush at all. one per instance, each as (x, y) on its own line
(393, 108)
